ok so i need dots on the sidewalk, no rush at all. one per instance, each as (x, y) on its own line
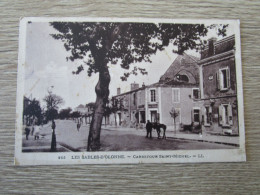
(218, 139)
(40, 145)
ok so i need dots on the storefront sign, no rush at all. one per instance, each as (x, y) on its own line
(141, 106)
(152, 106)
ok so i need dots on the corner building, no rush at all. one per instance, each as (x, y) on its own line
(218, 87)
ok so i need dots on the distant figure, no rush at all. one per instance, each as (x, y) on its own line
(27, 131)
(158, 127)
(149, 128)
(78, 126)
(81, 120)
(36, 132)
(32, 131)
(33, 124)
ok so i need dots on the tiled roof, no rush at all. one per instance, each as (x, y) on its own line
(183, 62)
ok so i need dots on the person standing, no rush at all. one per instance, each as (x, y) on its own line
(36, 132)
(27, 131)
(149, 127)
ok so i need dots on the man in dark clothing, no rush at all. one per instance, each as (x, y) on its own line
(27, 131)
(149, 127)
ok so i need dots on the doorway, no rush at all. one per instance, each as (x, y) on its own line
(153, 116)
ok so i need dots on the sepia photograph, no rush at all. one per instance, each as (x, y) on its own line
(110, 90)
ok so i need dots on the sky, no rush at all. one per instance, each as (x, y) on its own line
(46, 68)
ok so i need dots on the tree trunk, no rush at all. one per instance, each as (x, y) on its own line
(102, 92)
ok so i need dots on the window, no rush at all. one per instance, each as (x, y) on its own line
(223, 79)
(208, 116)
(182, 78)
(176, 95)
(196, 115)
(134, 98)
(195, 94)
(152, 95)
(225, 115)
(139, 97)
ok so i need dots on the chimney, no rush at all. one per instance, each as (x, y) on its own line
(143, 85)
(118, 91)
(134, 86)
(211, 42)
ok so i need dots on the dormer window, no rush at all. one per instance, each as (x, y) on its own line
(182, 78)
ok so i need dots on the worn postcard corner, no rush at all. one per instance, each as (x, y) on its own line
(108, 90)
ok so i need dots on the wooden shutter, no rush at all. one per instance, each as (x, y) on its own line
(156, 95)
(210, 115)
(217, 81)
(205, 116)
(228, 78)
(210, 109)
(220, 111)
(230, 115)
(192, 115)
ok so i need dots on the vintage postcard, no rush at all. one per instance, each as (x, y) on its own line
(132, 90)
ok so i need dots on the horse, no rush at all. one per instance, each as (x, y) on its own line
(158, 127)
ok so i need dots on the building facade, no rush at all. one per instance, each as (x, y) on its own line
(218, 86)
(173, 101)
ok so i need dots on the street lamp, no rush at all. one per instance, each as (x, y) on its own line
(53, 125)
(53, 137)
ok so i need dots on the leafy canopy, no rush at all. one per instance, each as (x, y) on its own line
(98, 43)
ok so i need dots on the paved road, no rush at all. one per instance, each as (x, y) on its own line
(113, 140)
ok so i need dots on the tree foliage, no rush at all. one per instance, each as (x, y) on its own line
(75, 114)
(98, 43)
(32, 110)
(65, 113)
(53, 102)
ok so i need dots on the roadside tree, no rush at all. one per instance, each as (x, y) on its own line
(98, 44)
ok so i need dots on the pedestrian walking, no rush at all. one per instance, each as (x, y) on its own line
(27, 131)
(36, 132)
(78, 126)
(149, 127)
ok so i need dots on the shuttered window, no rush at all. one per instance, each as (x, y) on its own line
(195, 93)
(207, 115)
(134, 98)
(223, 79)
(139, 97)
(225, 115)
(176, 95)
(152, 95)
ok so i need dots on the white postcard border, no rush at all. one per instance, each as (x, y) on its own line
(174, 156)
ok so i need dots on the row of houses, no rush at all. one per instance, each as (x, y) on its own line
(193, 94)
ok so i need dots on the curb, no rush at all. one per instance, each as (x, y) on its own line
(68, 147)
(216, 142)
